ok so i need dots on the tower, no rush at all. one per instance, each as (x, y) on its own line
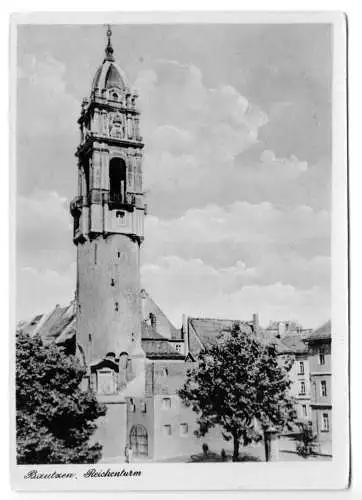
(108, 214)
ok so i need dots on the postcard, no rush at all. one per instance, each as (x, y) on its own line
(180, 265)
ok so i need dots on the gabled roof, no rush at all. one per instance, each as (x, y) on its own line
(206, 330)
(163, 324)
(60, 326)
(324, 332)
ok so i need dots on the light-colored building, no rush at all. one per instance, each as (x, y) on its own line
(296, 349)
(320, 345)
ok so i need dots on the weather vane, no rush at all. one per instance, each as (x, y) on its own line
(109, 48)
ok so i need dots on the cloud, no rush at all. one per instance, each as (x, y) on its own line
(38, 291)
(194, 288)
(243, 231)
(44, 231)
(192, 133)
(236, 167)
(204, 145)
(239, 259)
(46, 126)
(43, 98)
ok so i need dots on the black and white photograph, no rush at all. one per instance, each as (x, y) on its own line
(180, 284)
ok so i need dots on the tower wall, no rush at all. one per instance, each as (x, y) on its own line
(109, 307)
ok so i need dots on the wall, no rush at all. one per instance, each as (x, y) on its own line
(321, 404)
(176, 444)
(99, 261)
(139, 417)
(297, 377)
(111, 433)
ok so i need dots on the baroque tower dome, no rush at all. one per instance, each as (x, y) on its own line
(109, 74)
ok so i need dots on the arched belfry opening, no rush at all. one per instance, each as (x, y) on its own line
(117, 180)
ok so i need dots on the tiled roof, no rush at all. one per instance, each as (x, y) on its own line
(324, 332)
(60, 326)
(207, 329)
(149, 333)
(294, 343)
(164, 325)
(160, 349)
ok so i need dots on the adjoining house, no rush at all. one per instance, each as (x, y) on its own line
(294, 346)
(319, 347)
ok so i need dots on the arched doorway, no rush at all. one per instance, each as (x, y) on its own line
(139, 441)
(117, 180)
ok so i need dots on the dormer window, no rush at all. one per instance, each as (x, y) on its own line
(115, 96)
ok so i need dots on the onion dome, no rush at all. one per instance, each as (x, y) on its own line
(109, 74)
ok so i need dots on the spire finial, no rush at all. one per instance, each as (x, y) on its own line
(109, 48)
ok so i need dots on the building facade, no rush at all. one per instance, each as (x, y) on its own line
(320, 353)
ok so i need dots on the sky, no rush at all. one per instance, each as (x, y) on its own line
(236, 121)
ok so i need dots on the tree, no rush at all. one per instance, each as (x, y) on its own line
(239, 385)
(55, 418)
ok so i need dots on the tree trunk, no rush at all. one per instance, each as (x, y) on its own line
(266, 446)
(236, 449)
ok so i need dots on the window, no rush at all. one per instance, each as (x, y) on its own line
(116, 306)
(132, 406)
(323, 388)
(143, 407)
(119, 255)
(184, 429)
(166, 403)
(164, 372)
(106, 382)
(304, 409)
(301, 367)
(322, 359)
(302, 387)
(325, 422)
(95, 253)
(178, 347)
(153, 320)
(89, 337)
(167, 430)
